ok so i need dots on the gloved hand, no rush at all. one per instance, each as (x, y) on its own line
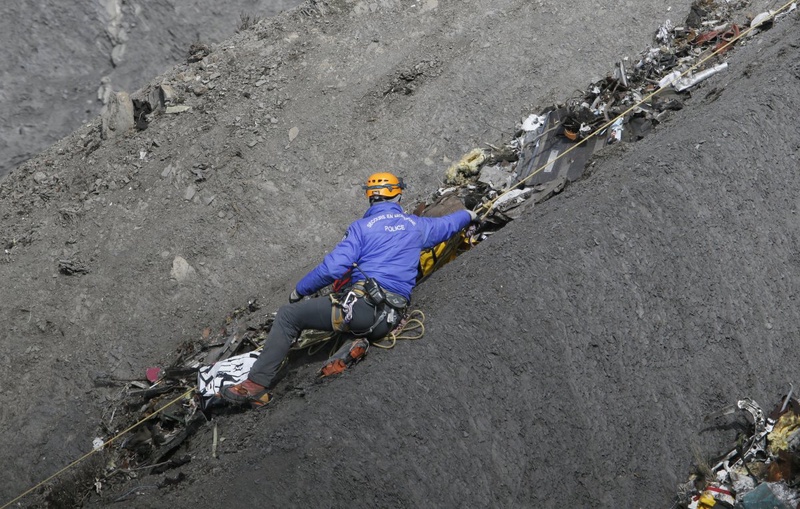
(295, 297)
(473, 216)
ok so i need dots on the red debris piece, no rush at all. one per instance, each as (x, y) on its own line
(153, 374)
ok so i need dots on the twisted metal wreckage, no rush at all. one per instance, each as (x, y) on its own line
(549, 150)
(760, 472)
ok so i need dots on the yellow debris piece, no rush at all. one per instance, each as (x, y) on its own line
(706, 501)
(780, 435)
(468, 166)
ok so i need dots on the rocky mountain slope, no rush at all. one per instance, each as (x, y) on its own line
(61, 57)
(567, 360)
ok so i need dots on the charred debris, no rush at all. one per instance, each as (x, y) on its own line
(762, 468)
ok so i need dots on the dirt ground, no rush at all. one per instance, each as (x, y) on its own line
(567, 360)
(57, 53)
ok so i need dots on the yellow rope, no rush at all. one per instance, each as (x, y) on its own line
(109, 441)
(313, 342)
(411, 326)
(488, 205)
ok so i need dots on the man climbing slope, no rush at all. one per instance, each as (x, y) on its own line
(379, 253)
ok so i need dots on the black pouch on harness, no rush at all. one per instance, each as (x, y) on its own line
(374, 291)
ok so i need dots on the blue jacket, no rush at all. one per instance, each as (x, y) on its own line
(386, 245)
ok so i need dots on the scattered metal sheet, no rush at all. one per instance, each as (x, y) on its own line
(539, 160)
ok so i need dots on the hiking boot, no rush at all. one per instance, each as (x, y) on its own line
(247, 392)
(345, 357)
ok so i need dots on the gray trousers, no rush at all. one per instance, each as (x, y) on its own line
(292, 319)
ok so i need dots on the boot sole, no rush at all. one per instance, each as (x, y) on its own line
(339, 365)
(236, 399)
(334, 368)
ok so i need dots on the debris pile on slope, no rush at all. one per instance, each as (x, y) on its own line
(761, 471)
(503, 181)
(553, 147)
(156, 417)
(162, 412)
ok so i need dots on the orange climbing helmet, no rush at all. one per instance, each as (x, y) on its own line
(383, 185)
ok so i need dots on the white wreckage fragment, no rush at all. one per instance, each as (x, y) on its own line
(770, 16)
(615, 133)
(513, 198)
(683, 83)
(234, 370)
(664, 34)
(690, 81)
(534, 122)
(761, 19)
(496, 177)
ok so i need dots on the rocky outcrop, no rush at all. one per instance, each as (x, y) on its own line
(117, 116)
(57, 53)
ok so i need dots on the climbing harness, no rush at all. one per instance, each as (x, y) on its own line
(386, 305)
(347, 305)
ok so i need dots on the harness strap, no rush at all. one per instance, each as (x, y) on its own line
(381, 317)
(342, 309)
(392, 299)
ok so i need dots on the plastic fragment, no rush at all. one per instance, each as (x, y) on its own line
(153, 374)
(534, 122)
(615, 133)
